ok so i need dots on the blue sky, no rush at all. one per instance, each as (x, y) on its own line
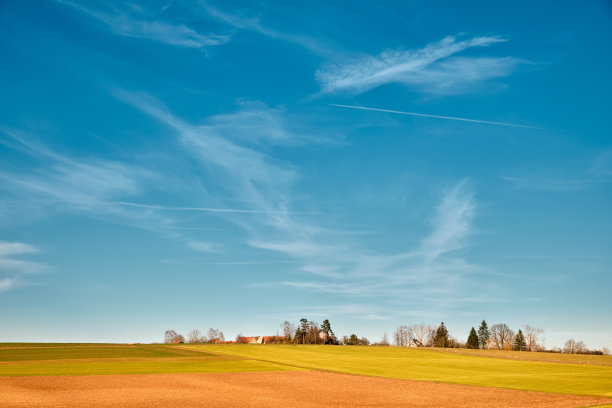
(179, 164)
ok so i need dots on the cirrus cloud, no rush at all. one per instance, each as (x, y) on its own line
(433, 69)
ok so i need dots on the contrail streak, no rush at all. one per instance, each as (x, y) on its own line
(437, 116)
(199, 209)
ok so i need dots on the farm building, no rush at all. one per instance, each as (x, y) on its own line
(262, 339)
(252, 340)
(415, 343)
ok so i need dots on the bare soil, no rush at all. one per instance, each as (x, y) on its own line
(304, 389)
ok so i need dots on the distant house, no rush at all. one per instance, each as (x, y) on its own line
(252, 340)
(415, 343)
(262, 339)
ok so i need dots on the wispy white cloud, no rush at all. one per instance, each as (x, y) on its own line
(263, 187)
(83, 182)
(254, 24)
(99, 187)
(437, 265)
(237, 21)
(202, 246)
(452, 223)
(432, 69)
(233, 178)
(7, 284)
(235, 155)
(13, 271)
(296, 248)
(245, 173)
(255, 123)
(15, 248)
(129, 20)
(10, 264)
(322, 270)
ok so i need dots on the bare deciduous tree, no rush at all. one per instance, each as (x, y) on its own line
(288, 329)
(423, 333)
(402, 336)
(171, 336)
(385, 340)
(501, 335)
(195, 336)
(570, 346)
(215, 336)
(532, 337)
(574, 347)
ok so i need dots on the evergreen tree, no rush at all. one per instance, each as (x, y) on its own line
(441, 336)
(472, 341)
(483, 334)
(301, 331)
(519, 341)
(326, 327)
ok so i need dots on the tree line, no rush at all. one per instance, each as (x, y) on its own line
(194, 336)
(305, 332)
(497, 337)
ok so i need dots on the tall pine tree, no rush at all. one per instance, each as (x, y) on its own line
(472, 340)
(519, 341)
(483, 334)
(326, 327)
(441, 336)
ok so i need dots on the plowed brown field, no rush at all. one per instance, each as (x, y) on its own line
(302, 389)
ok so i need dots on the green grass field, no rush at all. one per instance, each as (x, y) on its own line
(79, 351)
(431, 365)
(538, 356)
(96, 359)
